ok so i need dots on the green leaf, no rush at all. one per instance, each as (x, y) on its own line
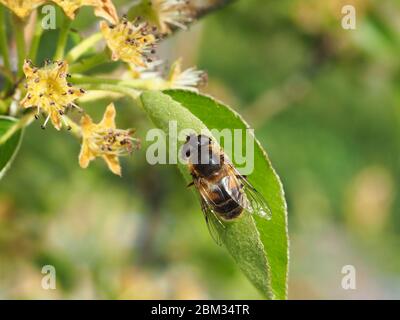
(259, 246)
(9, 149)
(273, 233)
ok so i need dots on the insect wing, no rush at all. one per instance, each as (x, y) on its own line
(210, 221)
(214, 224)
(255, 202)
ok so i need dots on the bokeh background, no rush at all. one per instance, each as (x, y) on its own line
(325, 103)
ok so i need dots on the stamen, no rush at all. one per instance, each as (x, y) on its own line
(45, 122)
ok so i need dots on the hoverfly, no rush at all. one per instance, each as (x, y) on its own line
(225, 194)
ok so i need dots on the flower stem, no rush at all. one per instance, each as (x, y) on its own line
(37, 35)
(7, 73)
(3, 107)
(75, 128)
(26, 120)
(3, 39)
(214, 5)
(89, 63)
(19, 27)
(131, 93)
(62, 39)
(84, 46)
(138, 84)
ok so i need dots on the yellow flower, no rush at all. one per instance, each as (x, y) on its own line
(102, 8)
(104, 140)
(22, 8)
(49, 91)
(130, 42)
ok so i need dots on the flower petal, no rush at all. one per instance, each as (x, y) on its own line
(108, 120)
(22, 8)
(85, 156)
(106, 9)
(113, 164)
(86, 124)
(55, 119)
(102, 8)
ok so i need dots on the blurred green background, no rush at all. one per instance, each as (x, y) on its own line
(325, 103)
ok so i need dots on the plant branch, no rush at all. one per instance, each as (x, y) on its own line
(75, 128)
(137, 84)
(84, 46)
(37, 35)
(26, 120)
(3, 107)
(62, 39)
(19, 26)
(129, 92)
(3, 40)
(216, 5)
(7, 73)
(89, 63)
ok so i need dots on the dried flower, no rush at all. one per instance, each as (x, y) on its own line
(49, 91)
(22, 8)
(102, 8)
(104, 140)
(165, 14)
(130, 42)
(188, 79)
(172, 13)
(151, 71)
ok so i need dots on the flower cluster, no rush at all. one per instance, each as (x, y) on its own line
(49, 91)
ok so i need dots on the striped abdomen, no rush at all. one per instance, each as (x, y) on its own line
(227, 197)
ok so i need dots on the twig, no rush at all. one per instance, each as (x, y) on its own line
(23, 122)
(89, 63)
(84, 46)
(131, 93)
(62, 39)
(37, 35)
(216, 5)
(20, 41)
(3, 39)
